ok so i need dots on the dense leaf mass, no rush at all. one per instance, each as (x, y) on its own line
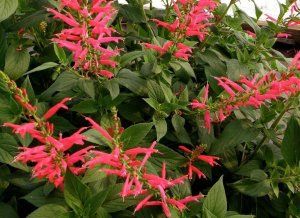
(123, 110)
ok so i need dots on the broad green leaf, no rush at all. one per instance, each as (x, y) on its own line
(133, 135)
(236, 132)
(87, 86)
(95, 201)
(7, 211)
(50, 211)
(65, 81)
(253, 188)
(38, 198)
(172, 158)
(130, 56)
(7, 8)
(132, 81)
(3, 47)
(16, 62)
(215, 202)
(30, 92)
(112, 86)
(181, 133)
(86, 107)
(235, 69)
(44, 66)
(9, 108)
(290, 147)
(95, 137)
(246, 169)
(93, 175)
(155, 91)
(161, 128)
(76, 193)
(8, 150)
(60, 53)
(185, 66)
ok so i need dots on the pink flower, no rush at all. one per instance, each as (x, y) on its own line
(71, 3)
(283, 35)
(69, 19)
(55, 108)
(142, 203)
(102, 131)
(207, 120)
(22, 129)
(185, 149)
(87, 38)
(211, 160)
(251, 34)
(106, 73)
(76, 138)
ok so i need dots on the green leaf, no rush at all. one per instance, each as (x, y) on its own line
(44, 66)
(177, 65)
(7, 8)
(161, 128)
(30, 92)
(7, 211)
(76, 193)
(86, 107)
(65, 81)
(8, 150)
(253, 188)
(172, 158)
(60, 53)
(181, 133)
(246, 169)
(215, 202)
(235, 69)
(133, 135)
(132, 81)
(87, 86)
(290, 144)
(155, 91)
(236, 132)
(50, 211)
(38, 198)
(95, 137)
(9, 108)
(112, 86)
(96, 201)
(3, 47)
(16, 62)
(130, 56)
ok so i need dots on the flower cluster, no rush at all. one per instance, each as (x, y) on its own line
(246, 92)
(88, 35)
(195, 155)
(131, 165)
(52, 156)
(192, 20)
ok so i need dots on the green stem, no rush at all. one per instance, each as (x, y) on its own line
(273, 126)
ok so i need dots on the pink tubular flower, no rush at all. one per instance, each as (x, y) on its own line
(55, 108)
(89, 35)
(102, 131)
(247, 92)
(211, 160)
(283, 35)
(191, 21)
(251, 34)
(22, 129)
